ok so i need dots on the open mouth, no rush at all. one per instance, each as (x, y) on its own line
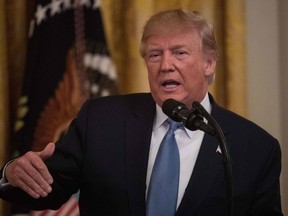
(170, 84)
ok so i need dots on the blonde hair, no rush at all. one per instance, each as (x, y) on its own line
(181, 20)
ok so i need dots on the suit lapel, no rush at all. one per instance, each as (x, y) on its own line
(138, 131)
(207, 166)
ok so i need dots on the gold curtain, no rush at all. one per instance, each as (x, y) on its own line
(3, 84)
(3, 90)
(124, 21)
(13, 28)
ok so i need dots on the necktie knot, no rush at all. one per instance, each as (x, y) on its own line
(173, 126)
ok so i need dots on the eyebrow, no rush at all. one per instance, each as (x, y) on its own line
(153, 48)
(177, 46)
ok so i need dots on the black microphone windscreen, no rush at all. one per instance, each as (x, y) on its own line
(171, 108)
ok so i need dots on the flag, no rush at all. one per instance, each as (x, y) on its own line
(67, 62)
(69, 209)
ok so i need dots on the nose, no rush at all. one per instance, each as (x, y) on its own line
(167, 64)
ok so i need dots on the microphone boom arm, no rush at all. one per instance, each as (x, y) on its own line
(226, 159)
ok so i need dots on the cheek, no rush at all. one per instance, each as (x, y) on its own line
(152, 68)
(152, 72)
(194, 77)
(152, 80)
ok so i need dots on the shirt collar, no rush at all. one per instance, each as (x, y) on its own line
(161, 117)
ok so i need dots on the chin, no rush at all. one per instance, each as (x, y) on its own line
(175, 97)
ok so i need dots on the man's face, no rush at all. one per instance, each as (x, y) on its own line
(177, 67)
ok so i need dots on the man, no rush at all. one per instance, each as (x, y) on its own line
(110, 149)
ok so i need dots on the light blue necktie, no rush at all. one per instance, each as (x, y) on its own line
(163, 188)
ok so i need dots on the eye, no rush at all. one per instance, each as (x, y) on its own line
(180, 54)
(154, 56)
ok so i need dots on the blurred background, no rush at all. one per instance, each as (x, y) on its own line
(54, 54)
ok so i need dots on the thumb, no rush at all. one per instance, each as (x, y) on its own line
(48, 151)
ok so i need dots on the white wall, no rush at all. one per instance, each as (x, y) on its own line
(267, 60)
(263, 74)
(283, 23)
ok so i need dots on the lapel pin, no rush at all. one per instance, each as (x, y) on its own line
(218, 150)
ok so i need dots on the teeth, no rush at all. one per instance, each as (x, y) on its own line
(170, 84)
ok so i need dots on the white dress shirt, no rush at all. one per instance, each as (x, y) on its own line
(188, 142)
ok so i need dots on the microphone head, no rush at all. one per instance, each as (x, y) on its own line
(172, 107)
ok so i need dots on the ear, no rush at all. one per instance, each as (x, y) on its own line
(211, 62)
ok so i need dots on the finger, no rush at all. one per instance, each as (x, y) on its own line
(40, 166)
(38, 181)
(31, 185)
(47, 152)
(30, 173)
(31, 188)
(40, 172)
(32, 166)
(28, 190)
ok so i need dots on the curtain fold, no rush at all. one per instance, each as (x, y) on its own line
(13, 28)
(16, 32)
(4, 107)
(234, 38)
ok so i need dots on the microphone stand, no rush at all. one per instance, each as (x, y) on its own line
(226, 159)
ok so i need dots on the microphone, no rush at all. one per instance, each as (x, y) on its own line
(191, 119)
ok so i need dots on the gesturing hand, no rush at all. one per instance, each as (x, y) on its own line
(30, 173)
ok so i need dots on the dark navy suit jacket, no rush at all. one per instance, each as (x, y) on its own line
(105, 155)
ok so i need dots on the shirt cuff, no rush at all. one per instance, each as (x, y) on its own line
(3, 181)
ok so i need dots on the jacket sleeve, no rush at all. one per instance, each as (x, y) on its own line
(267, 201)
